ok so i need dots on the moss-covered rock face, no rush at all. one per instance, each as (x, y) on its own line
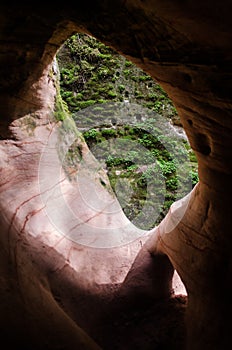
(129, 123)
(92, 73)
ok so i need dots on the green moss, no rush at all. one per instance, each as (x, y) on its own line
(85, 104)
(109, 133)
(112, 94)
(61, 108)
(121, 88)
(144, 77)
(128, 63)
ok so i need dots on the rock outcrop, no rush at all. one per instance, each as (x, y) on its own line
(56, 293)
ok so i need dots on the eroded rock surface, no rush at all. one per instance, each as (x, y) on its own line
(52, 289)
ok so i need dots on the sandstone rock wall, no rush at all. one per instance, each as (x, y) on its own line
(187, 49)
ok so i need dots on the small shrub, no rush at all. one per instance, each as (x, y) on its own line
(109, 133)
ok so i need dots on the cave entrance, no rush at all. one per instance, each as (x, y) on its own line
(49, 275)
(130, 125)
(127, 122)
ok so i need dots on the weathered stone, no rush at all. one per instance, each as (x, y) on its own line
(50, 286)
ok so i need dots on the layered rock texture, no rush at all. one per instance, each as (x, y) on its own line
(63, 286)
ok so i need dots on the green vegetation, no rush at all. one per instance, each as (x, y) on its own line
(148, 169)
(93, 73)
(115, 104)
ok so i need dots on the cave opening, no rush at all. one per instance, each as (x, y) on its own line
(130, 125)
(64, 288)
(102, 115)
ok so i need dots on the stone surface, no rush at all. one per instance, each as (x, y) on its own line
(51, 288)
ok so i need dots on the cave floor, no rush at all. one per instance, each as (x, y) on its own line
(156, 326)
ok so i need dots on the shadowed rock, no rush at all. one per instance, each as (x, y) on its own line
(58, 293)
